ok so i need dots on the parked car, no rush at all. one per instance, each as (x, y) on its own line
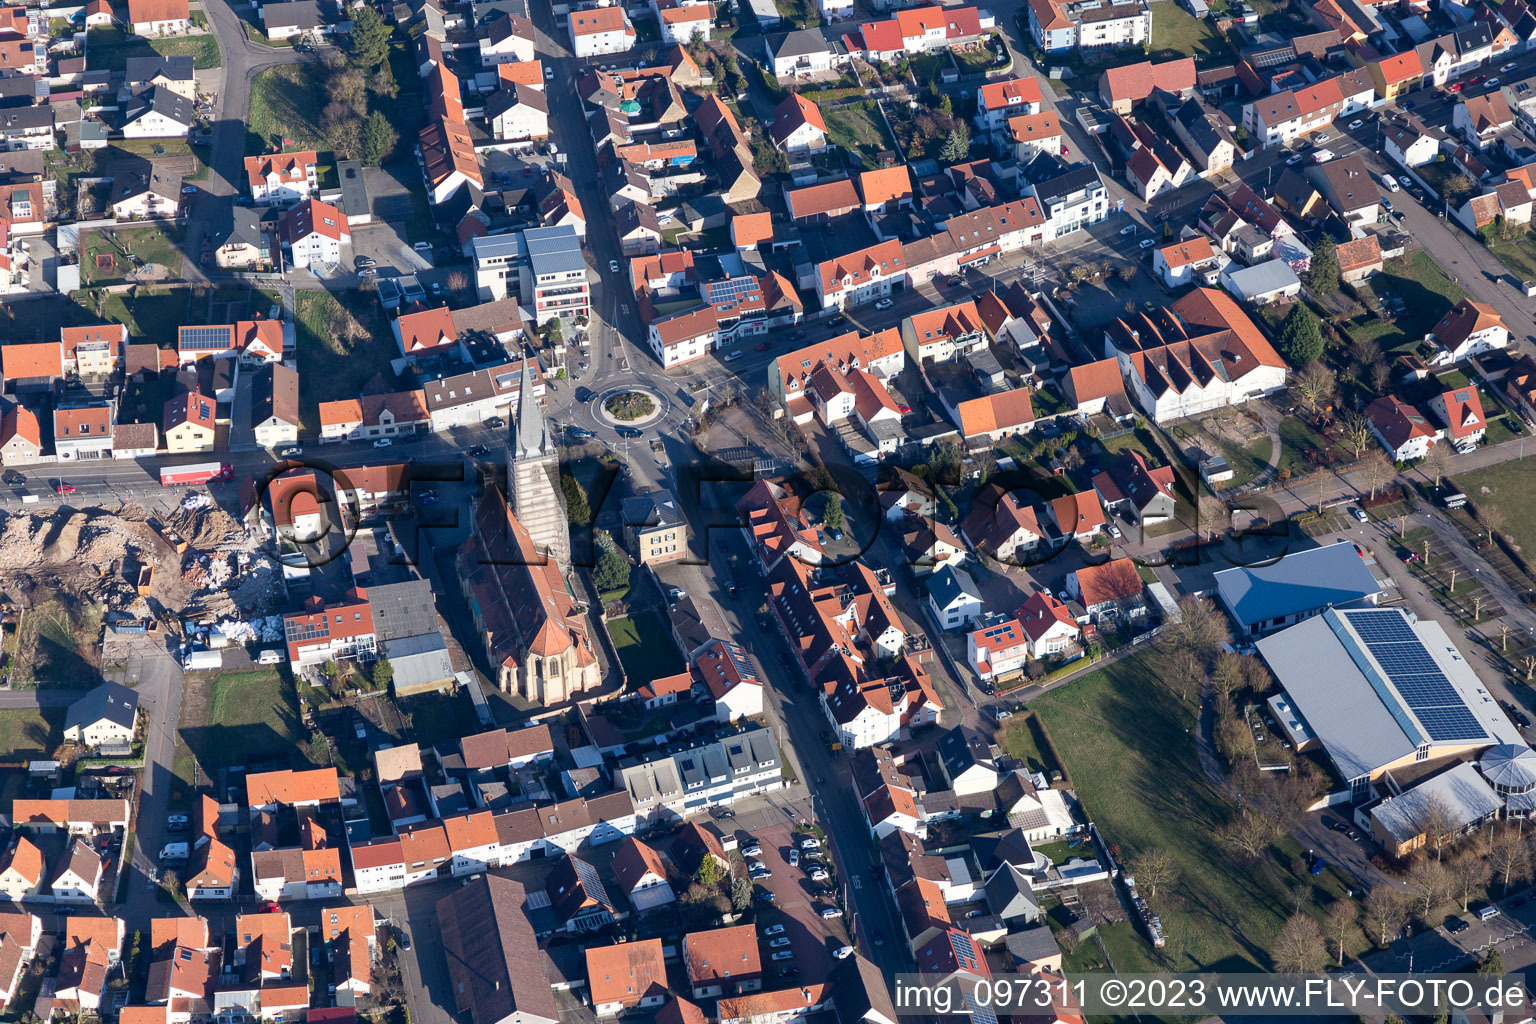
(1114, 531)
(1454, 924)
(764, 346)
(1357, 123)
(1359, 514)
(1293, 161)
(383, 442)
(774, 929)
(885, 304)
(831, 913)
(63, 488)
(780, 943)
(479, 450)
(844, 952)
(810, 843)
(784, 954)
(1322, 156)
(819, 875)
(1391, 183)
(613, 266)
(291, 452)
(794, 858)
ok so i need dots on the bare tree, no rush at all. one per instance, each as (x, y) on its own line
(1355, 432)
(1365, 350)
(1342, 922)
(1227, 677)
(1155, 870)
(1436, 823)
(1381, 376)
(1386, 910)
(1438, 461)
(1314, 385)
(1185, 671)
(1199, 629)
(1469, 871)
(1493, 518)
(1248, 833)
(1377, 471)
(1210, 515)
(1508, 856)
(1300, 948)
(1429, 886)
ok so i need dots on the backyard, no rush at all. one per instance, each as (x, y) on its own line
(1426, 294)
(1519, 255)
(1125, 738)
(116, 248)
(108, 49)
(344, 339)
(1177, 33)
(236, 718)
(858, 129)
(654, 656)
(31, 733)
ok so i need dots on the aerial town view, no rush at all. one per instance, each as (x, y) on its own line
(701, 511)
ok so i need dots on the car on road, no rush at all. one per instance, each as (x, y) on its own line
(1456, 87)
(13, 477)
(1129, 229)
(1505, 69)
(1455, 925)
(613, 266)
(837, 321)
(831, 913)
(581, 433)
(585, 394)
(383, 442)
(1391, 183)
(1293, 161)
(479, 450)
(764, 346)
(885, 304)
(878, 938)
(1359, 514)
(1407, 104)
(291, 452)
(63, 488)
(1356, 124)
(630, 432)
(270, 907)
(1322, 156)
(1492, 83)
(1147, 243)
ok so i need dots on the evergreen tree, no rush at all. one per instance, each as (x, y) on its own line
(612, 570)
(379, 138)
(1323, 277)
(957, 145)
(369, 37)
(1301, 336)
(577, 511)
(383, 673)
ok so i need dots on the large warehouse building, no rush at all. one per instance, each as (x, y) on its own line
(1379, 690)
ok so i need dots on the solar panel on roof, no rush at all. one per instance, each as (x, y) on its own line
(204, 337)
(1415, 675)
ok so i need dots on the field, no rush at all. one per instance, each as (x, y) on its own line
(645, 647)
(330, 365)
(285, 104)
(108, 49)
(858, 131)
(1124, 737)
(153, 245)
(236, 718)
(31, 733)
(1511, 488)
(56, 644)
(1177, 33)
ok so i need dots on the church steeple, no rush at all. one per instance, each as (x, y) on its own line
(530, 438)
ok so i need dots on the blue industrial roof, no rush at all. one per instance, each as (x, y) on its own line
(1301, 581)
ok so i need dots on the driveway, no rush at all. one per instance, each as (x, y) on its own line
(157, 677)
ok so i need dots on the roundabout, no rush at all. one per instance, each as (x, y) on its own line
(629, 405)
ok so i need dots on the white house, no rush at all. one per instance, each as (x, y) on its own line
(999, 101)
(1469, 329)
(728, 674)
(1183, 263)
(684, 336)
(1402, 430)
(508, 38)
(997, 651)
(158, 113)
(1048, 625)
(600, 30)
(159, 17)
(107, 715)
(518, 113)
(682, 23)
(315, 232)
(79, 878)
(641, 874)
(953, 596)
(283, 178)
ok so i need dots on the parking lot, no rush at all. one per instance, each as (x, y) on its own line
(812, 939)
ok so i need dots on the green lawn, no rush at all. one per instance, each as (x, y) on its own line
(31, 733)
(1519, 255)
(1511, 488)
(152, 314)
(330, 366)
(645, 647)
(859, 131)
(1296, 440)
(1125, 738)
(234, 718)
(108, 49)
(1426, 290)
(1248, 462)
(1177, 33)
(153, 245)
(435, 717)
(285, 104)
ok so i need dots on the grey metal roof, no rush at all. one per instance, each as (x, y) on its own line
(490, 247)
(554, 250)
(1512, 765)
(1461, 791)
(1261, 278)
(1302, 581)
(798, 43)
(1363, 721)
(656, 510)
(419, 660)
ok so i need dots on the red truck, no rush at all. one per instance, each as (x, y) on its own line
(200, 473)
